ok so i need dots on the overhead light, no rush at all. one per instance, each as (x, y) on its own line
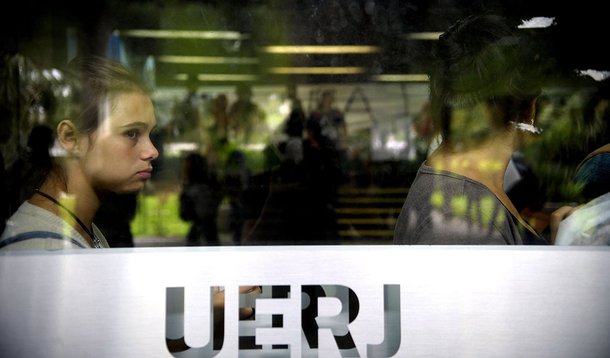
(426, 36)
(208, 60)
(184, 34)
(339, 49)
(218, 77)
(228, 77)
(316, 70)
(402, 78)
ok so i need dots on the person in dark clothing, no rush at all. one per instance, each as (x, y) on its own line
(114, 217)
(199, 200)
(6, 126)
(235, 184)
(27, 172)
(298, 209)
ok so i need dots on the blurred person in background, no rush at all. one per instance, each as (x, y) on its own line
(332, 122)
(199, 200)
(589, 223)
(246, 119)
(28, 171)
(6, 130)
(114, 217)
(235, 183)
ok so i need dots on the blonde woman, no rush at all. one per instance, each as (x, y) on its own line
(107, 146)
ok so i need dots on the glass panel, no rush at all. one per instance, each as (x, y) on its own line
(287, 122)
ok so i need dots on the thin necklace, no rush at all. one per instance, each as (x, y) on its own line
(96, 241)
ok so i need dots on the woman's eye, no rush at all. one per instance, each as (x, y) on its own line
(132, 134)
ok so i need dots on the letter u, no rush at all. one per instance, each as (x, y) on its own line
(174, 326)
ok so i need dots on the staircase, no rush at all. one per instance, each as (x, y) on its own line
(366, 216)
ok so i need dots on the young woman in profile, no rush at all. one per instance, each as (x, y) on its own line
(484, 83)
(107, 148)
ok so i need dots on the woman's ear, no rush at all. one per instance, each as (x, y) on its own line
(67, 136)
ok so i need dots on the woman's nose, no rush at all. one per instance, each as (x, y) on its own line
(150, 152)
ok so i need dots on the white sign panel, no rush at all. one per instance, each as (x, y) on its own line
(316, 301)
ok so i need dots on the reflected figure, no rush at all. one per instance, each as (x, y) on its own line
(246, 119)
(293, 97)
(588, 224)
(215, 132)
(219, 109)
(199, 200)
(298, 209)
(27, 172)
(235, 184)
(185, 120)
(332, 122)
(292, 147)
(326, 126)
(483, 90)
(522, 185)
(6, 130)
(114, 217)
(424, 132)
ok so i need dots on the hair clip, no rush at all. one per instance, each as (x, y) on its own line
(526, 127)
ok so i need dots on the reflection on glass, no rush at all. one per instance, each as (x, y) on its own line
(312, 117)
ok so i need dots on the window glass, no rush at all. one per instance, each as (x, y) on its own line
(290, 122)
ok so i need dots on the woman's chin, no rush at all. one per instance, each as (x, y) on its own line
(132, 188)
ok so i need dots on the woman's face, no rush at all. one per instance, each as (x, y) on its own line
(120, 151)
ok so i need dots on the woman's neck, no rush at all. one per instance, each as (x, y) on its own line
(485, 163)
(84, 201)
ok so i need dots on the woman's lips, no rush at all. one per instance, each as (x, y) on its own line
(144, 174)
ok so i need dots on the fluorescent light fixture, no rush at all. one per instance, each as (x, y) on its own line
(316, 70)
(402, 78)
(229, 77)
(220, 77)
(217, 77)
(426, 36)
(184, 34)
(338, 49)
(208, 60)
(537, 23)
(594, 74)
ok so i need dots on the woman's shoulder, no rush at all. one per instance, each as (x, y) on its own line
(453, 209)
(440, 181)
(33, 228)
